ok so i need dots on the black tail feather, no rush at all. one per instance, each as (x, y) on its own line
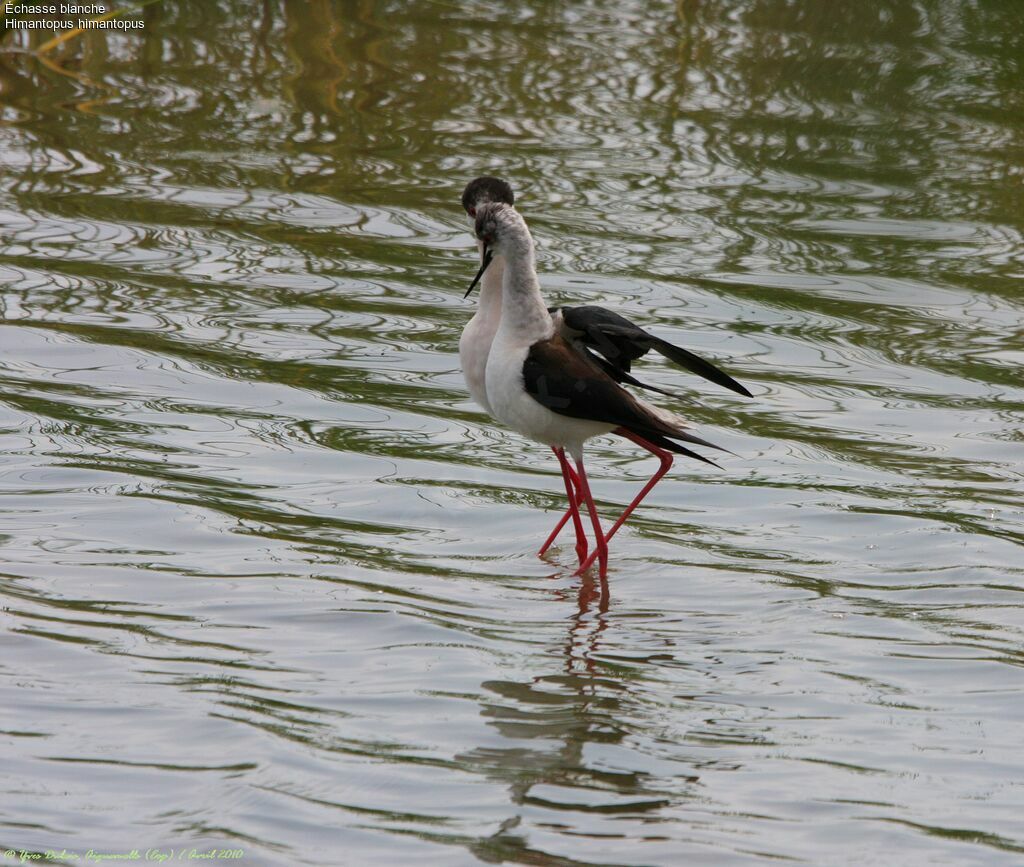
(657, 439)
(619, 375)
(697, 441)
(622, 376)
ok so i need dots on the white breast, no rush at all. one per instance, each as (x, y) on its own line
(512, 405)
(474, 347)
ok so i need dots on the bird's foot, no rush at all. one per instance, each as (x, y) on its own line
(600, 554)
(581, 551)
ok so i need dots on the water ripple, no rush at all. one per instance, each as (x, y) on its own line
(247, 497)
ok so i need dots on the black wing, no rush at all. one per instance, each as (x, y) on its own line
(618, 374)
(567, 382)
(621, 343)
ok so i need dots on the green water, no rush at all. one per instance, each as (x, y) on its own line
(267, 577)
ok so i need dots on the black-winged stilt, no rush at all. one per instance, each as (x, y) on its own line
(542, 380)
(477, 336)
(559, 392)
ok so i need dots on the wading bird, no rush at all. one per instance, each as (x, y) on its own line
(561, 391)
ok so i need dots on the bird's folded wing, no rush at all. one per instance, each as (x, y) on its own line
(566, 382)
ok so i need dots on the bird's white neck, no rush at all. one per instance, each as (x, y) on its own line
(523, 310)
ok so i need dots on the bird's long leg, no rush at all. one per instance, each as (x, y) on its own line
(569, 477)
(666, 462)
(572, 492)
(600, 541)
(575, 496)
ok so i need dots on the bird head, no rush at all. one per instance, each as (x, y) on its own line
(496, 225)
(485, 189)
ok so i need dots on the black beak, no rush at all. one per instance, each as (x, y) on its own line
(488, 255)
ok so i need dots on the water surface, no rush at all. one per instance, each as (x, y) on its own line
(268, 578)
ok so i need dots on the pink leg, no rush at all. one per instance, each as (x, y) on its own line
(571, 490)
(666, 462)
(575, 498)
(601, 552)
(574, 502)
